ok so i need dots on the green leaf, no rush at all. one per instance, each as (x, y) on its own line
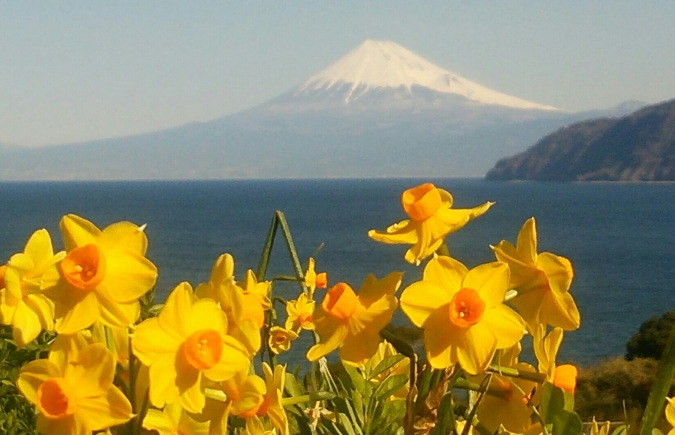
(292, 386)
(621, 430)
(446, 421)
(390, 385)
(386, 364)
(355, 377)
(567, 423)
(662, 383)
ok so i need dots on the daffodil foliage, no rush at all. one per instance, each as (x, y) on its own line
(206, 360)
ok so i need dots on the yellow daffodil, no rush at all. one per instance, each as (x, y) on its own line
(76, 398)
(261, 290)
(670, 414)
(462, 313)
(542, 281)
(314, 280)
(188, 341)
(353, 322)
(245, 311)
(510, 408)
(101, 277)
(23, 303)
(173, 420)
(300, 314)
(272, 407)
(604, 429)
(545, 349)
(431, 219)
(280, 339)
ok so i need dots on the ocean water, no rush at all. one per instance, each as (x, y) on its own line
(619, 237)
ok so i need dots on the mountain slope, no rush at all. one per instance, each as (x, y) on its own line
(637, 147)
(380, 111)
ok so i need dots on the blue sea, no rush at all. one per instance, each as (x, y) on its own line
(619, 237)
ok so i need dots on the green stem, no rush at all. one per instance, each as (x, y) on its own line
(659, 391)
(463, 384)
(539, 378)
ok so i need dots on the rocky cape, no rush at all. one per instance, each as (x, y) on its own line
(636, 147)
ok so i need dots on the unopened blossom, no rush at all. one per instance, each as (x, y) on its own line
(462, 313)
(245, 310)
(542, 281)
(78, 397)
(101, 277)
(431, 219)
(186, 344)
(314, 280)
(23, 304)
(352, 322)
(546, 349)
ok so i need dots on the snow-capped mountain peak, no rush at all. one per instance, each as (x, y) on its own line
(385, 64)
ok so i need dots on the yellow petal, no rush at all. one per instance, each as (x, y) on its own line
(332, 336)
(441, 340)
(360, 347)
(74, 314)
(163, 374)
(128, 276)
(490, 280)
(93, 372)
(78, 231)
(205, 314)
(150, 341)
(39, 248)
(43, 308)
(505, 324)
(560, 310)
(445, 271)
(158, 420)
(670, 411)
(558, 271)
(26, 325)
(403, 232)
(422, 298)
(192, 399)
(234, 360)
(124, 236)
(172, 318)
(481, 345)
(373, 289)
(109, 409)
(527, 241)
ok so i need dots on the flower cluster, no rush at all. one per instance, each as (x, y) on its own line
(194, 364)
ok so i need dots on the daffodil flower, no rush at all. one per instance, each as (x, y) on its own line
(546, 349)
(173, 420)
(78, 397)
(353, 322)
(431, 219)
(102, 276)
(187, 342)
(605, 428)
(314, 280)
(280, 339)
(462, 313)
(23, 303)
(300, 314)
(245, 311)
(542, 281)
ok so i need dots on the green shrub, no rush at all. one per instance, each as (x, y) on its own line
(652, 337)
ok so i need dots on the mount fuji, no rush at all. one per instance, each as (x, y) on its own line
(379, 111)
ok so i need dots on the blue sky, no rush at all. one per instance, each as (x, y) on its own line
(73, 71)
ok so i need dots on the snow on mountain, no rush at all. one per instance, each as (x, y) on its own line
(378, 65)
